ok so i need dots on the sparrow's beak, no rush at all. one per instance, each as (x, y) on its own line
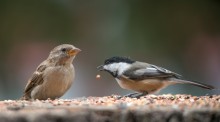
(73, 52)
(100, 68)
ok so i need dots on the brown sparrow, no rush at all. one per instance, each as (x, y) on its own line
(54, 76)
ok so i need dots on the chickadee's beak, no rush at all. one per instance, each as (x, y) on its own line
(73, 52)
(100, 68)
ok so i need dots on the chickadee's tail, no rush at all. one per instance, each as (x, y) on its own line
(194, 83)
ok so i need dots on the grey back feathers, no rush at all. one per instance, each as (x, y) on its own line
(141, 71)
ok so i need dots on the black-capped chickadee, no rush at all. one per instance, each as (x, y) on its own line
(142, 77)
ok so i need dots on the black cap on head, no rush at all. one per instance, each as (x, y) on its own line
(118, 59)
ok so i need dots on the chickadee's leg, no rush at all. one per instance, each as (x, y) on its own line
(131, 94)
(134, 95)
(138, 95)
(128, 95)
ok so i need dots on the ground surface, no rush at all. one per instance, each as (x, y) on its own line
(149, 108)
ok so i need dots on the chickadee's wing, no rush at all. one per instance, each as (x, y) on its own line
(166, 71)
(149, 72)
(35, 80)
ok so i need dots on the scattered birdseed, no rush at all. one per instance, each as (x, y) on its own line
(114, 101)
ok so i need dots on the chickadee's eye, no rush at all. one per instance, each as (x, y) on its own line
(63, 49)
(106, 62)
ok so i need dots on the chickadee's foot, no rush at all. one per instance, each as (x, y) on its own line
(131, 94)
(140, 95)
(137, 95)
(116, 97)
(119, 97)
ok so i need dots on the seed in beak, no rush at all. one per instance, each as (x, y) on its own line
(98, 76)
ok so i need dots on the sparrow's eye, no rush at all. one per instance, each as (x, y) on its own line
(63, 49)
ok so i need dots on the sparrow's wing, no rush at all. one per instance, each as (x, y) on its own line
(35, 80)
(149, 72)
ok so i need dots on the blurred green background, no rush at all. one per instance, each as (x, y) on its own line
(183, 36)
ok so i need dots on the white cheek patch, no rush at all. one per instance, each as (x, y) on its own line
(111, 67)
(117, 67)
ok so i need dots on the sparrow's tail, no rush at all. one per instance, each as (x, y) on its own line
(193, 83)
(25, 97)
